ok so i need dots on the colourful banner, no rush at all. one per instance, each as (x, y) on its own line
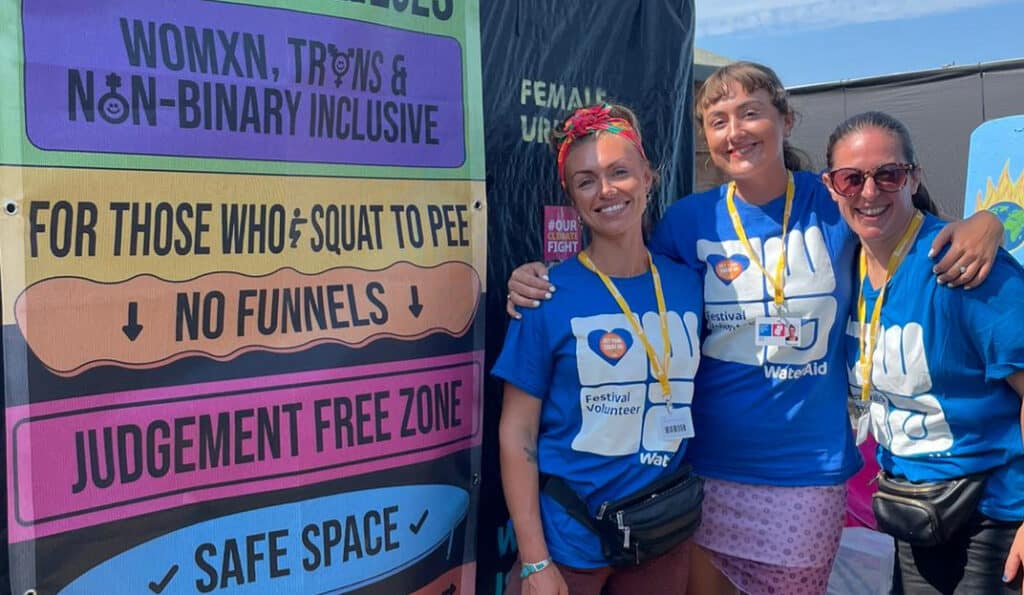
(242, 259)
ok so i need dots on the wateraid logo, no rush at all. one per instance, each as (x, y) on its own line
(796, 372)
(650, 458)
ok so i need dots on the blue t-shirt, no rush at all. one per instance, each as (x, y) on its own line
(772, 415)
(941, 407)
(599, 424)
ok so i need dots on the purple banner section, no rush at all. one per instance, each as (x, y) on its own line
(80, 462)
(211, 79)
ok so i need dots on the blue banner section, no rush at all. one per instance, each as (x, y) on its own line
(332, 544)
(995, 177)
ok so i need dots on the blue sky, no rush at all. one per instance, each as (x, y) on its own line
(813, 41)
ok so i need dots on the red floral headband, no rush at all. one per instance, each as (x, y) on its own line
(588, 120)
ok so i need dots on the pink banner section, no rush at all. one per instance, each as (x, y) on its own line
(91, 460)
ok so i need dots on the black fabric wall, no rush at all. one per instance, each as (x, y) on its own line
(542, 58)
(940, 107)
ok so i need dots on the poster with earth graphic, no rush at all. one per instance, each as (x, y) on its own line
(995, 177)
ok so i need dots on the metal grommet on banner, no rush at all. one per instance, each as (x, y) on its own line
(11, 207)
(30, 591)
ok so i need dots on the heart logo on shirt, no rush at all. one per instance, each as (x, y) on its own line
(610, 345)
(728, 268)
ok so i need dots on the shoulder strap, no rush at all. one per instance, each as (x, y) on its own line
(560, 492)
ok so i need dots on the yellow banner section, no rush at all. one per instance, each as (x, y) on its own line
(112, 225)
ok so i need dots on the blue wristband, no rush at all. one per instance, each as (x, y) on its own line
(534, 568)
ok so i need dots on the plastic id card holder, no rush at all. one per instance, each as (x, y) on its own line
(777, 331)
(677, 425)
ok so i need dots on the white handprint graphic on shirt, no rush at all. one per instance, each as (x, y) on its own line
(735, 295)
(616, 399)
(905, 417)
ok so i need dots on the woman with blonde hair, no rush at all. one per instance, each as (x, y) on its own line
(596, 410)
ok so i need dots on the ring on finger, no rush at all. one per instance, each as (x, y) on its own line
(963, 269)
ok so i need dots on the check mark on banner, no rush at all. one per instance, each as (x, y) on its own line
(415, 527)
(159, 587)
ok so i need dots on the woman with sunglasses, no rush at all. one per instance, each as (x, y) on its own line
(946, 372)
(598, 383)
(773, 437)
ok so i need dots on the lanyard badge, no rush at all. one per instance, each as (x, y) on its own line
(777, 282)
(675, 424)
(781, 330)
(868, 339)
(659, 366)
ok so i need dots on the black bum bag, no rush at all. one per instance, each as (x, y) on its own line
(928, 513)
(643, 525)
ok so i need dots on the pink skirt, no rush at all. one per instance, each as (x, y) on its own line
(773, 540)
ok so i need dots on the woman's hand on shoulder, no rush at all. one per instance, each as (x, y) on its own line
(546, 582)
(527, 286)
(973, 244)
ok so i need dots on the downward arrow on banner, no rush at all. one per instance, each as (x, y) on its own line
(133, 328)
(415, 307)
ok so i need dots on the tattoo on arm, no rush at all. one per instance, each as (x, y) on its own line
(531, 453)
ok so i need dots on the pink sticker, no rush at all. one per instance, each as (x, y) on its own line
(561, 233)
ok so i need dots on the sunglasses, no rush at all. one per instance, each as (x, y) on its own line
(849, 181)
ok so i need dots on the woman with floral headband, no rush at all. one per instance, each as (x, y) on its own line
(598, 386)
(773, 438)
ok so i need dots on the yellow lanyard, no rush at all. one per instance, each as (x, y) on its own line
(869, 334)
(779, 281)
(659, 367)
